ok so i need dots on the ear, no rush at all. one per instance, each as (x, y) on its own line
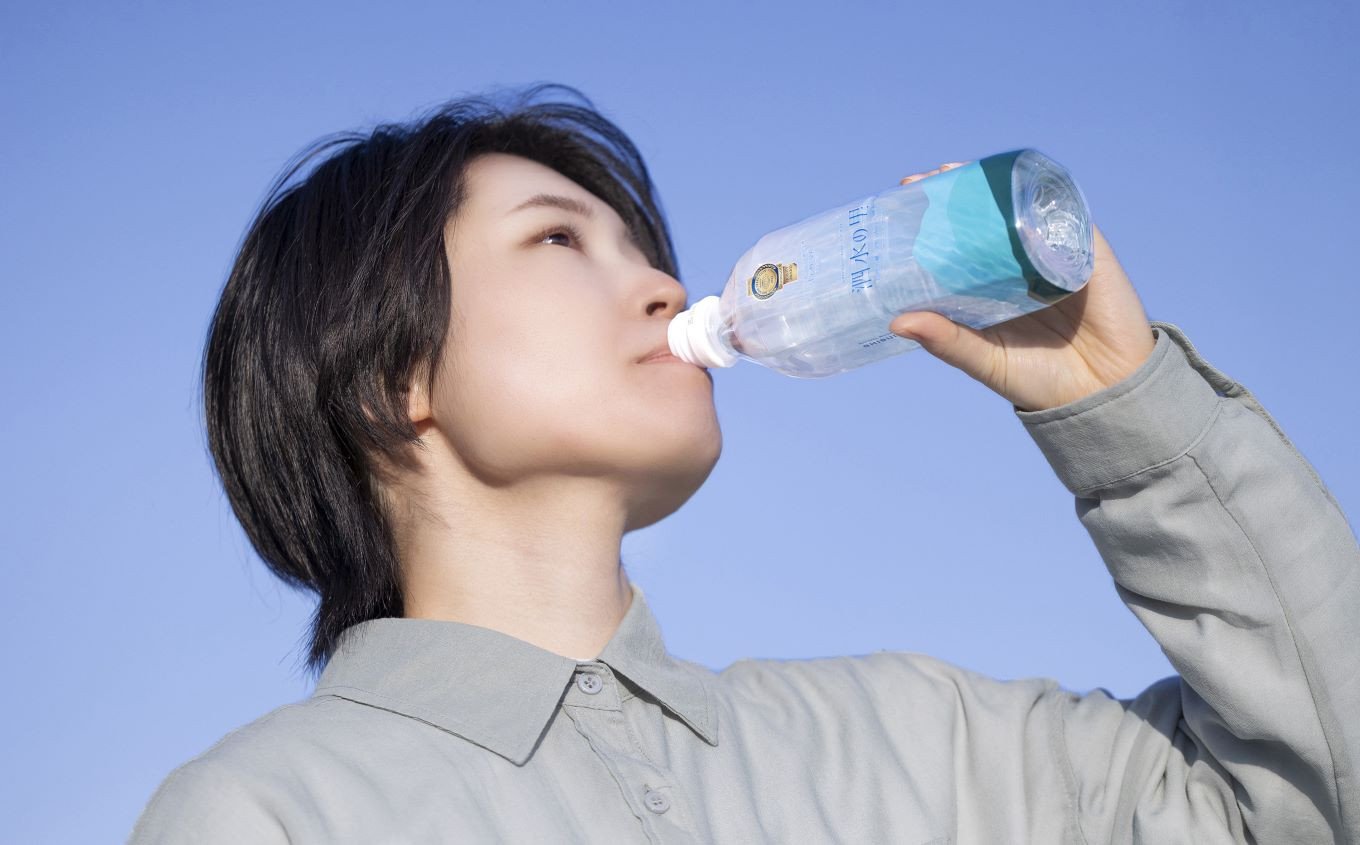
(418, 402)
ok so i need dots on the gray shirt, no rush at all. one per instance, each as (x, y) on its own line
(1220, 537)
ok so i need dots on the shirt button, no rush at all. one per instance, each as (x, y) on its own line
(589, 683)
(657, 802)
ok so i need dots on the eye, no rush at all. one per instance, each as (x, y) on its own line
(561, 230)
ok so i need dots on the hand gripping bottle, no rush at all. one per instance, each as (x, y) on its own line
(982, 243)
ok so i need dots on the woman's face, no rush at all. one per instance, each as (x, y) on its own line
(553, 314)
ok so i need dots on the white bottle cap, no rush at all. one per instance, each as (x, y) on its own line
(693, 335)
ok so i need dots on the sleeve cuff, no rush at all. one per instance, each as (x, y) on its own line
(1151, 417)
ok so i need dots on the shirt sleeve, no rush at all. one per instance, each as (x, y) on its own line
(1224, 542)
(203, 803)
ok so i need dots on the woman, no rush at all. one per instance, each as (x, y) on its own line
(438, 396)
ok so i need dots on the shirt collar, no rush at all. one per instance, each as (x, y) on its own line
(498, 691)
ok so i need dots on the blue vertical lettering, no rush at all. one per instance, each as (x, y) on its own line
(861, 268)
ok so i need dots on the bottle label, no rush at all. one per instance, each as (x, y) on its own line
(768, 279)
(965, 240)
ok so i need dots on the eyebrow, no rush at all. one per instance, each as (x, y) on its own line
(554, 201)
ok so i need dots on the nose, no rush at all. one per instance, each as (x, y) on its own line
(663, 294)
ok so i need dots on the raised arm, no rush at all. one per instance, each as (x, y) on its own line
(1225, 543)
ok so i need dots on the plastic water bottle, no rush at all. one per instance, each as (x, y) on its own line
(982, 243)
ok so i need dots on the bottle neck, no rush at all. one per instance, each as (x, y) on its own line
(701, 336)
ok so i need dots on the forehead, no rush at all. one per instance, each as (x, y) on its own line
(498, 182)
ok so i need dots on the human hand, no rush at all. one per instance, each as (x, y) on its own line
(1082, 344)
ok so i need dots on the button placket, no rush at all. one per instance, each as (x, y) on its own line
(647, 787)
(656, 801)
(594, 688)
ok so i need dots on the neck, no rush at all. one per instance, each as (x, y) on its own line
(538, 561)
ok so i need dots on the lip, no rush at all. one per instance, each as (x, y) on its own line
(665, 356)
(661, 355)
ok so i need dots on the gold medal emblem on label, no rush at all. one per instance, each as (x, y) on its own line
(769, 278)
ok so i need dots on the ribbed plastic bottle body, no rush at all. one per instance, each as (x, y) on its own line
(980, 244)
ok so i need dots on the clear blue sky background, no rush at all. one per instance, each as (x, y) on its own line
(906, 508)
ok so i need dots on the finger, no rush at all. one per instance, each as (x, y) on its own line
(956, 344)
(916, 176)
(950, 166)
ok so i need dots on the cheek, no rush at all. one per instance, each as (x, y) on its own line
(530, 389)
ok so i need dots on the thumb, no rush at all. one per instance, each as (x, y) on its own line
(954, 343)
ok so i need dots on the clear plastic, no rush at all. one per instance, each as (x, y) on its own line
(983, 243)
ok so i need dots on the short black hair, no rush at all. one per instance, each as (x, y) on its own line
(339, 297)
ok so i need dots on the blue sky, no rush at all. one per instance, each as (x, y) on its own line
(905, 506)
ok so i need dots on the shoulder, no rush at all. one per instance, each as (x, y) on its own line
(886, 678)
(908, 706)
(267, 741)
(243, 786)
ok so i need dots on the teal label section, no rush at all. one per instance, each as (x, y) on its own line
(965, 241)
